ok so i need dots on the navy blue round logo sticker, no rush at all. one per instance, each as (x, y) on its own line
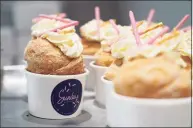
(66, 96)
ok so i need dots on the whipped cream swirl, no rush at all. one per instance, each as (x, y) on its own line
(89, 31)
(120, 47)
(45, 25)
(70, 43)
(66, 39)
(185, 45)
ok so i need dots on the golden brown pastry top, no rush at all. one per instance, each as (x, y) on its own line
(103, 58)
(171, 56)
(153, 78)
(90, 47)
(45, 58)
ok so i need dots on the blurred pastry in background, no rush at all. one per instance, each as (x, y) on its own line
(103, 59)
(118, 46)
(104, 55)
(179, 40)
(55, 48)
(111, 72)
(91, 47)
(94, 31)
(154, 44)
(153, 78)
(185, 46)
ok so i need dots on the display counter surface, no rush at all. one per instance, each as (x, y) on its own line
(14, 113)
(14, 107)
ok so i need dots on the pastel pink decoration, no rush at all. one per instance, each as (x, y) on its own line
(97, 17)
(150, 16)
(53, 17)
(186, 28)
(141, 33)
(182, 21)
(73, 23)
(151, 41)
(61, 15)
(133, 23)
(114, 26)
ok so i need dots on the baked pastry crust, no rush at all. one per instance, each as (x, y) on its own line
(104, 58)
(153, 78)
(90, 47)
(44, 58)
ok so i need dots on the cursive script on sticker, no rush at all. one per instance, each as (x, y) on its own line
(63, 99)
(66, 96)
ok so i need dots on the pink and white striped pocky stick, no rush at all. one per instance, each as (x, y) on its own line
(133, 24)
(114, 26)
(53, 17)
(150, 17)
(182, 21)
(97, 17)
(152, 40)
(73, 23)
(61, 15)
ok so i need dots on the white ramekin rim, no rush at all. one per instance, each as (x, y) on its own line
(106, 81)
(151, 101)
(57, 76)
(96, 66)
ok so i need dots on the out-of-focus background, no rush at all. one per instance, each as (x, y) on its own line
(16, 18)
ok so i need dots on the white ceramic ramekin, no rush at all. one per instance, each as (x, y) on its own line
(55, 96)
(100, 88)
(125, 111)
(108, 87)
(91, 77)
